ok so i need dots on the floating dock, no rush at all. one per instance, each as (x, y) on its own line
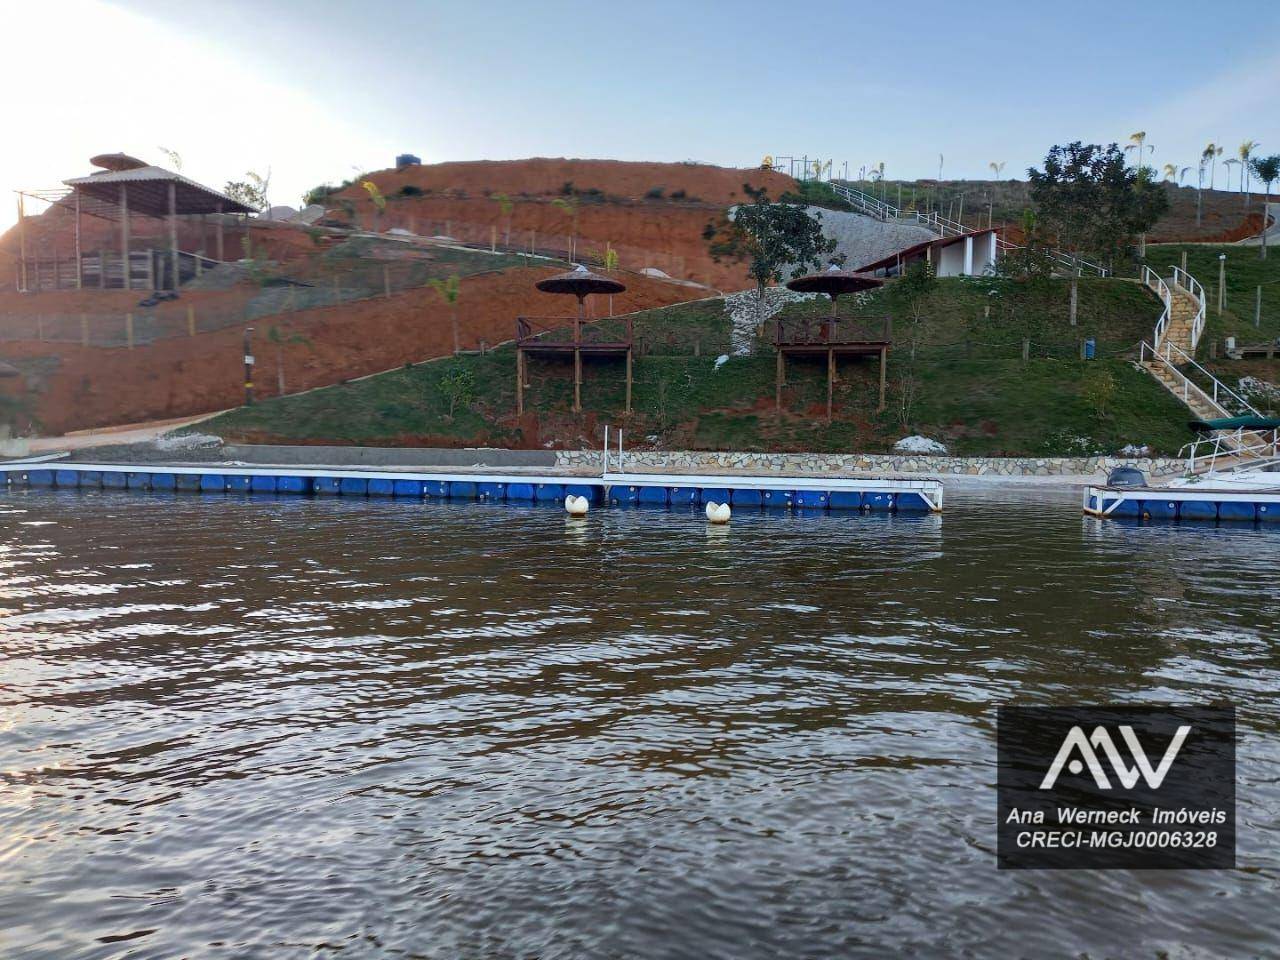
(1182, 503)
(617, 489)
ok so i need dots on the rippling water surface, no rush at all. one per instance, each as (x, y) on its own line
(295, 728)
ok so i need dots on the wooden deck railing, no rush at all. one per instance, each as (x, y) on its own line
(567, 331)
(817, 331)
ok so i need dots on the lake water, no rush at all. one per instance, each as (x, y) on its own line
(288, 727)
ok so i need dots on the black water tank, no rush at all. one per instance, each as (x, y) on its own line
(1126, 477)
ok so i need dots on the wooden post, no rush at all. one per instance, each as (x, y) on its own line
(151, 269)
(577, 366)
(128, 330)
(831, 377)
(628, 410)
(519, 382)
(84, 330)
(493, 239)
(40, 327)
(386, 280)
(124, 234)
(884, 354)
(173, 234)
(780, 373)
(191, 321)
(22, 242)
(102, 269)
(221, 258)
(79, 269)
(1026, 349)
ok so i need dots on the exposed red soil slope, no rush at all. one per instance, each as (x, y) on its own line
(543, 176)
(189, 375)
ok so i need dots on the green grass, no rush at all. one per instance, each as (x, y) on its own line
(1245, 272)
(967, 386)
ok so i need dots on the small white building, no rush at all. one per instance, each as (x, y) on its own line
(968, 255)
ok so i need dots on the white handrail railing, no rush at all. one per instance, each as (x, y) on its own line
(1192, 286)
(1156, 283)
(1246, 448)
(1220, 389)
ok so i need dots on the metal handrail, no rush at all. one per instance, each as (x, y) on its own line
(1192, 286)
(1155, 282)
(1189, 387)
(1248, 447)
(1218, 385)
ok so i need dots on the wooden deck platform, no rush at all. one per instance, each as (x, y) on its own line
(576, 337)
(831, 337)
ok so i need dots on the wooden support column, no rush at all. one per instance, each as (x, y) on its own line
(128, 330)
(519, 382)
(124, 234)
(884, 353)
(778, 380)
(577, 366)
(221, 258)
(831, 379)
(79, 267)
(173, 234)
(22, 241)
(628, 380)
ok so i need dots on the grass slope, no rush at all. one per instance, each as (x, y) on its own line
(967, 385)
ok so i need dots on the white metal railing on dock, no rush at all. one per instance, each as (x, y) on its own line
(1233, 450)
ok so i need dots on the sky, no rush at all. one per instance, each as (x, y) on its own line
(316, 91)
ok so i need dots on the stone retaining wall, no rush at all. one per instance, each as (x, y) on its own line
(840, 463)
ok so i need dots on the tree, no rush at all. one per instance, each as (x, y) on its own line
(1245, 150)
(1138, 141)
(449, 290)
(251, 192)
(458, 387)
(1098, 387)
(379, 201)
(1205, 156)
(1171, 171)
(1266, 169)
(773, 237)
(174, 158)
(278, 336)
(997, 168)
(908, 295)
(505, 206)
(1092, 202)
(610, 264)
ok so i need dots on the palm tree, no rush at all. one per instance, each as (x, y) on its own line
(1229, 163)
(1245, 150)
(1212, 152)
(1266, 169)
(1205, 156)
(996, 168)
(1171, 171)
(449, 290)
(1182, 174)
(1138, 141)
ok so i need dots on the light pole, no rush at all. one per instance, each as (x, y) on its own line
(248, 366)
(1222, 281)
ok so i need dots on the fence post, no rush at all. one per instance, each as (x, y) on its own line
(84, 330)
(1026, 349)
(39, 323)
(386, 280)
(191, 321)
(128, 330)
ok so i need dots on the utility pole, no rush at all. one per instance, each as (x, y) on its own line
(248, 366)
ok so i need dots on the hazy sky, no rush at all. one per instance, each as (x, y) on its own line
(314, 90)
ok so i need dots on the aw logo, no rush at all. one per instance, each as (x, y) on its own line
(1100, 739)
(1109, 787)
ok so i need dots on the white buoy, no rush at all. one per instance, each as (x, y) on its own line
(576, 506)
(717, 512)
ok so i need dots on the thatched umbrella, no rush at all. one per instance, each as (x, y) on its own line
(834, 282)
(8, 370)
(580, 282)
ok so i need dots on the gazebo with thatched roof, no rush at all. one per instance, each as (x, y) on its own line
(546, 335)
(833, 336)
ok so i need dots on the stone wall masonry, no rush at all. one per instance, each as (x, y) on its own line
(835, 464)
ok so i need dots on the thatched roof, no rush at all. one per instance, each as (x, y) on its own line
(834, 282)
(8, 370)
(580, 281)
